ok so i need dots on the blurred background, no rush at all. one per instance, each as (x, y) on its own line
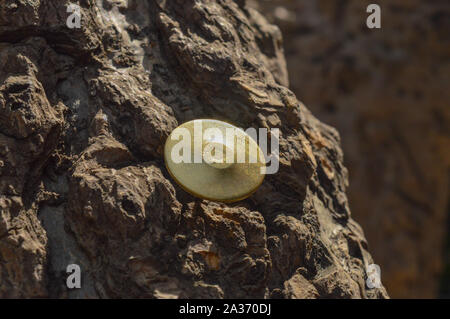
(387, 92)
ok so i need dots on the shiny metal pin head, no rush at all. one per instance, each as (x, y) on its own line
(214, 160)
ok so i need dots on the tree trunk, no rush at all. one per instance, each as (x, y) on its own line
(84, 114)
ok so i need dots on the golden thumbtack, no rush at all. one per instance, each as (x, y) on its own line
(214, 160)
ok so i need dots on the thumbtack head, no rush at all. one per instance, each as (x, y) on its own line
(214, 160)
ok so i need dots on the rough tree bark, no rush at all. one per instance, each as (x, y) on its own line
(84, 114)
